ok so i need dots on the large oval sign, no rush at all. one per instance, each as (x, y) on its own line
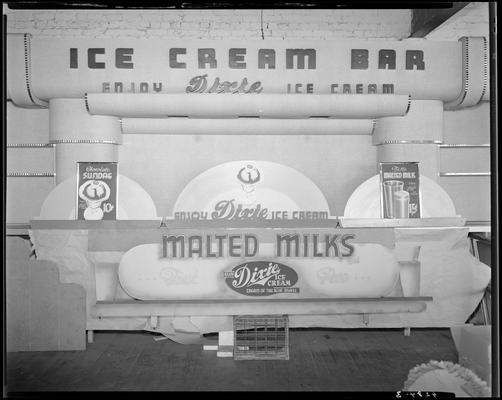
(262, 278)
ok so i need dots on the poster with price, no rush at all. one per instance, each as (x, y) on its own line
(97, 190)
(400, 190)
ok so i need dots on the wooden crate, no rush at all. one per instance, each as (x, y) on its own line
(261, 337)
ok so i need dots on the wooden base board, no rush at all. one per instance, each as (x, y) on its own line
(245, 307)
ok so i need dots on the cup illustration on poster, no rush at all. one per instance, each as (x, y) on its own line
(400, 190)
(97, 190)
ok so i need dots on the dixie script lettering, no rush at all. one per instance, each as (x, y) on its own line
(248, 245)
(235, 58)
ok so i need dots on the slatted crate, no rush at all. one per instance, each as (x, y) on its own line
(261, 337)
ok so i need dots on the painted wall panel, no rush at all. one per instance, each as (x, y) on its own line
(468, 125)
(165, 164)
(475, 159)
(30, 159)
(471, 195)
(25, 196)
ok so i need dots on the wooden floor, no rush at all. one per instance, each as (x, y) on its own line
(320, 360)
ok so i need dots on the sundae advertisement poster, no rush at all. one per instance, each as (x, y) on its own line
(400, 190)
(97, 187)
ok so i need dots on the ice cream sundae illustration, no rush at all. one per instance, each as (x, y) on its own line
(249, 176)
(94, 193)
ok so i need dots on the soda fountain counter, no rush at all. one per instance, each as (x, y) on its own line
(227, 253)
(385, 287)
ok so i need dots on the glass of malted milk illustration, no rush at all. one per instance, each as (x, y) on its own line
(94, 193)
(401, 204)
(389, 189)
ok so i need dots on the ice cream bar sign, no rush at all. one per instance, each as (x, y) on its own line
(400, 190)
(97, 190)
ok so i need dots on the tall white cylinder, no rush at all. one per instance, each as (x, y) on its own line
(80, 136)
(68, 154)
(414, 137)
(352, 106)
(427, 155)
(70, 121)
(423, 123)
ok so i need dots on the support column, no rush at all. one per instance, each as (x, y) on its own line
(79, 136)
(414, 137)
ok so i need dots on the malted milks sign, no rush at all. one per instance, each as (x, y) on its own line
(290, 263)
(72, 67)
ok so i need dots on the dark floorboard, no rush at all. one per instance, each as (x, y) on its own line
(320, 360)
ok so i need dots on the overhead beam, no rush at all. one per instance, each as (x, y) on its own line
(427, 19)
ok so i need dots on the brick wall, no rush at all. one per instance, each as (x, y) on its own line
(212, 24)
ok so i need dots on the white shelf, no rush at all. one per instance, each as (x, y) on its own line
(447, 222)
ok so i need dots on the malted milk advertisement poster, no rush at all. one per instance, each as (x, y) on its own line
(400, 190)
(97, 187)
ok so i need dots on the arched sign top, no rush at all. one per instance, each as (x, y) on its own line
(250, 189)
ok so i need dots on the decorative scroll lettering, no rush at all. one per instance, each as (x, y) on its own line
(199, 84)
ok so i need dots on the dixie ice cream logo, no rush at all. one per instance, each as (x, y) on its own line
(262, 278)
